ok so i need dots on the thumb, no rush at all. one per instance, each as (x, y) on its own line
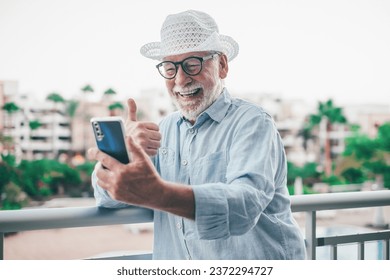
(132, 110)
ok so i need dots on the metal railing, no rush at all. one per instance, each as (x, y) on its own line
(51, 218)
(311, 204)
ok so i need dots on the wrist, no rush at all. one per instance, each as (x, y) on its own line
(177, 199)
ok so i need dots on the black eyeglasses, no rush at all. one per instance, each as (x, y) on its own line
(191, 66)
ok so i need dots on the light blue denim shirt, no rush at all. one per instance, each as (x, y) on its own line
(234, 159)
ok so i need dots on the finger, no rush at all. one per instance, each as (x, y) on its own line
(105, 160)
(151, 152)
(154, 135)
(91, 153)
(151, 126)
(153, 144)
(136, 150)
(132, 109)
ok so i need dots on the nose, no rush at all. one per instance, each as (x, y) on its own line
(181, 77)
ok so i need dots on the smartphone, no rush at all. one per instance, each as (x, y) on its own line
(110, 137)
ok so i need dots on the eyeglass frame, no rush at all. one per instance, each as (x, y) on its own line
(176, 64)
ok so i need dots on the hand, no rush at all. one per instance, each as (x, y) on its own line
(138, 183)
(146, 134)
(135, 183)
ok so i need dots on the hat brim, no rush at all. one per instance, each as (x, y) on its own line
(228, 46)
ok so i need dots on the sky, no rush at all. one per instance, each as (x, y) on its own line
(294, 49)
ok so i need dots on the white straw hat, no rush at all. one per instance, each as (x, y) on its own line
(190, 31)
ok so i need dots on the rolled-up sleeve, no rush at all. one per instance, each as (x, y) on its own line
(233, 207)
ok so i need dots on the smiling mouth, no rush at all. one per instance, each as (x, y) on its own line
(189, 93)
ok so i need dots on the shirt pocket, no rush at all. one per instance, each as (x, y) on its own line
(210, 169)
(166, 162)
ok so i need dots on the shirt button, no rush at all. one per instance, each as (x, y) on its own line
(192, 131)
(164, 151)
(184, 162)
(178, 225)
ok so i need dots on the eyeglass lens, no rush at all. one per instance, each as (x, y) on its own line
(192, 66)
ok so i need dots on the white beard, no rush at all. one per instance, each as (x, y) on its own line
(192, 108)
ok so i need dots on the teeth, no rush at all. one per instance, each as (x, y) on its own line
(189, 93)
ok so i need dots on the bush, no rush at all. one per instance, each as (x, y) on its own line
(13, 197)
(353, 176)
(333, 180)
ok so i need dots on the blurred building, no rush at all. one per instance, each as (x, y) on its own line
(66, 133)
(153, 105)
(7, 89)
(368, 116)
(38, 129)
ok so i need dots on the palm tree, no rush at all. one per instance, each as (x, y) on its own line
(71, 109)
(55, 98)
(326, 116)
(84, 115)
(11, 108)
(306, 133)
(34, 124)
(109, 91)
(87, 88)
(115, 108)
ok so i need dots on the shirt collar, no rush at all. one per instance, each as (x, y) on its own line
(217, 111)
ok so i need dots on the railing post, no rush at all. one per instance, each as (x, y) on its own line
(361, 251)
(311, 236)
(386, 249)
(1, 245)
(333, 252)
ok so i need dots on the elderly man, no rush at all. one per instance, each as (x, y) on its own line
(214, 172)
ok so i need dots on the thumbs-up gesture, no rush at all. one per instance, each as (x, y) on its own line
(145, 134)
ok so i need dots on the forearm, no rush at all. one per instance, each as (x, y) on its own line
(177, 199)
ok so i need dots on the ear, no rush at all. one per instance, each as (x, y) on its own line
(223, 66)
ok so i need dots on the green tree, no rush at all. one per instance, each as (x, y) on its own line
(328, 114)
(115, 108)
(39, 178)
(309, 173)
(11, 195)
(306, 133)
(71, 108)
(34, 124)
(11, 108)
(87, 88)
(371, 155)
(109, 92)
(56, 98)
